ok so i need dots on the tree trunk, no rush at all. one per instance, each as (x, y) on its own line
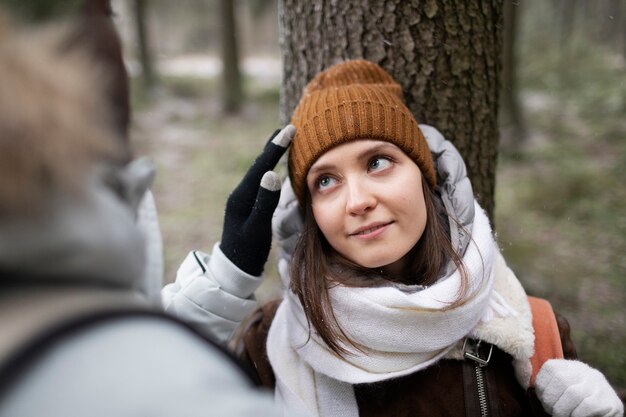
(232, 94)
(445, 55)
(145, 56)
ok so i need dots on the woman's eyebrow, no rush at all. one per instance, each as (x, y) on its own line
(364, 154)
(320, 168)
(376, 148)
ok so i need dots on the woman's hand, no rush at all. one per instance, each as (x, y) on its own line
(247, 236)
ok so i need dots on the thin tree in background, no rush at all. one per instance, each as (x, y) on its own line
(232, 94)
(566, 13)
(42, 10)
(611, 12)
(620, 34)
(145, 55)
(512, 116)
(445, 55)
(617, 10)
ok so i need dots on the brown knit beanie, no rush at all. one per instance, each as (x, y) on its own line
(348, 101)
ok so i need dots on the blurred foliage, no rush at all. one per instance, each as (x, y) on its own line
(561, 199)
(201, 155)
(41, 10)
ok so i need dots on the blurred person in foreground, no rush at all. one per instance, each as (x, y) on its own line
(79, 334)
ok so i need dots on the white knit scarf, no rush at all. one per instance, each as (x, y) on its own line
(399, 332)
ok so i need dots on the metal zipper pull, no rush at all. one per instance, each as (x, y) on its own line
(473, 351)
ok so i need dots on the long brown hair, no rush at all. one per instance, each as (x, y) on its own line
(316, 267)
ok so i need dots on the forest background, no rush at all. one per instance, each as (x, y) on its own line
(560, 186)
(206, 77)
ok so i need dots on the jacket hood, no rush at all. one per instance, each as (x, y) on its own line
(68, 193)
(453, 186)
(87, 238)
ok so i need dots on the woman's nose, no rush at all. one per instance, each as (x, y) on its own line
(360, 198)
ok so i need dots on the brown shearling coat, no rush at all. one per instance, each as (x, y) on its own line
(438, 390)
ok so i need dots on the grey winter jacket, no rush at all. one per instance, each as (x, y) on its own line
(87, 256)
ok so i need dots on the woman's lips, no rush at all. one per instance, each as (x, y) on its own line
(370, 231)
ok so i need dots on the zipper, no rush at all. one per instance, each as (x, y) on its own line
(482, 392)
(472, 350)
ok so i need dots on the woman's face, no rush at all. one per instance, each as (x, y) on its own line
(367, 200)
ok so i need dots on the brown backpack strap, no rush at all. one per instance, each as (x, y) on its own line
(547, 336)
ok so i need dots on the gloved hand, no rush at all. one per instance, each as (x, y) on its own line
(572, 388)
(247, 235)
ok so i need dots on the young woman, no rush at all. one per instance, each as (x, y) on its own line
(397, 300)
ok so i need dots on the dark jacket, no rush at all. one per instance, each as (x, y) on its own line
(448, 388)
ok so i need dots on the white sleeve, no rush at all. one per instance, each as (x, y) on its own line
(211, 293)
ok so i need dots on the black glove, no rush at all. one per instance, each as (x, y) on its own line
(247, 235)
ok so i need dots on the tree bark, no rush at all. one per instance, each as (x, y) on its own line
(232, 93)
(444, 54)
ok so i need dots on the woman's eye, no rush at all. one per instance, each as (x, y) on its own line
(325, 182)
(379, 163)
